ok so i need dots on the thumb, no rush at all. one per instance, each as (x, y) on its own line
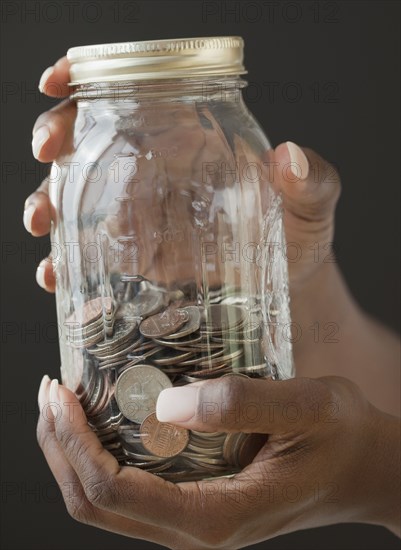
(235, 403)
(309, 188)
(310, 185)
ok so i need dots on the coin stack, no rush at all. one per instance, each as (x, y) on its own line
(124, 354)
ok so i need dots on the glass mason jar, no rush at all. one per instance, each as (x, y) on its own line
(167, 245)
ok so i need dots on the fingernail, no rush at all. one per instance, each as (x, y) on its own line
(44, 78)
(300, 164)
(40, 275)
(176, 404)
(28, 215)
(40, 137)
(42, 391)
(53, 392)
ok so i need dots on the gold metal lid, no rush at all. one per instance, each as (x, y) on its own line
(157, 59)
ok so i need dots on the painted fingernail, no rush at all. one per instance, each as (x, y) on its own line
(299, 162)
(43, 391)
(40, 137)
(40, 275)
(176, 404)
(44, 78)
(53, 392)
(28, 215)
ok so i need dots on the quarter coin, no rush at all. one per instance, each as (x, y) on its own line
(137, 389)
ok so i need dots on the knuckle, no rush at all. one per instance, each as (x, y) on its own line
(344, 392)
(315, 392)
(101, 492)
(323, 403)
(80, 510)
(70, 443)
(218, 399)
(233, 391)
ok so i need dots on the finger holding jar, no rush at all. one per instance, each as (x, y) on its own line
(50, 128)
(49, 135)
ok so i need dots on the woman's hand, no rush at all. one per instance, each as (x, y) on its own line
(330, 457)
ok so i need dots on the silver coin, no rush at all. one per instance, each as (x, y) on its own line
(123, 331)
(141, 456)
(90, 385)
(106, 422)
(171, 357)
(212, 361)
(144, 304)
(87, 342)
(142, 356)
(166, 322)
(86, 331)
(108, 353)
(192, 325)
(204, 458)
(153, 469)
(113, 364)
(95, 396)
(195, 338)
(213, 469)
(197, 359)
(207, 451)
(137, 389)
(120, 352)
(112, 446)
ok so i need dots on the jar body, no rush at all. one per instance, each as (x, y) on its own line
(169, 256)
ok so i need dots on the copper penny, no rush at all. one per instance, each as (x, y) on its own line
(91, 311)
(162, 438)
(164, 323)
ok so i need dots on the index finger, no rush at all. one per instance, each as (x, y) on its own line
(54, 80)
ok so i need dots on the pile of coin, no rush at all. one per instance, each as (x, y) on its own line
(124, 354)
(94, 321)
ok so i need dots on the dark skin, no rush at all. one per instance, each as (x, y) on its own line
(332, 457)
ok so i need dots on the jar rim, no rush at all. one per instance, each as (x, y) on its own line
(157, 59)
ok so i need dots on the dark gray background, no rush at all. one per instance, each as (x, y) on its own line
(336, 65)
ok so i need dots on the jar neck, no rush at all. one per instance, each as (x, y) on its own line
(174, 90)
